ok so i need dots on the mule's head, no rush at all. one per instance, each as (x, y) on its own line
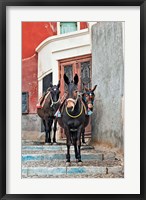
(89, 96)
(72, 91)
(55, 92)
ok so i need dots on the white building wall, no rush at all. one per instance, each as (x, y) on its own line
(55, 48)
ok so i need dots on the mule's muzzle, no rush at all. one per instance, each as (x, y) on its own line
(70, 103)
(90, 106)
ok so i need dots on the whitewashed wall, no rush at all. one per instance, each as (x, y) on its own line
(60, 47)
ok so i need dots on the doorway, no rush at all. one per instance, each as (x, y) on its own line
(82, 66)
(46, 84)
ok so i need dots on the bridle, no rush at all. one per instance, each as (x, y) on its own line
(90, 99)
(74, 101)
(54, 102)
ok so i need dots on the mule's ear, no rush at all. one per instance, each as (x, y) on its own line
(58, 84)
(94, 88)
(76, 79)
(66, 79)
(86, 89)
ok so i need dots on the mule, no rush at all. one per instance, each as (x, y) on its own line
(51, 103)
(88, 98)
(73, 118)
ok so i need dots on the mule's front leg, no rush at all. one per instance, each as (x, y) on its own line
(46, 130)
(68, 146)
(50, 122)
(54, 129)
(79, 144)
(68, 155)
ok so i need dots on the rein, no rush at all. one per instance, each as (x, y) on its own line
(74, 116)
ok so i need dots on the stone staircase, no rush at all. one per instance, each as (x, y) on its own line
(48, 161)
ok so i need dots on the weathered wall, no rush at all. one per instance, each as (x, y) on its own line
(31, 127)
(30, 82)
(108, 74)
(31, 122)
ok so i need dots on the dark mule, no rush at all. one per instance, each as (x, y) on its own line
(88, 98)
(51, 103)
(73, 118)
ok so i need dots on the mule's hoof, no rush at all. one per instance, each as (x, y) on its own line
(80, 163)
(55, 143)
(68, 164)
(47, 143)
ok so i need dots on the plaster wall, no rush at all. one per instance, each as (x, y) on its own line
(108, 74)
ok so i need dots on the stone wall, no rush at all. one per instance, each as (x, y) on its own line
(108, 74)
(31, 127)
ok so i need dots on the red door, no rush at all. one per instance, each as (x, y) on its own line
(82, 66)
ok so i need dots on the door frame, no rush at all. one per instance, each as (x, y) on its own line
(75, 61)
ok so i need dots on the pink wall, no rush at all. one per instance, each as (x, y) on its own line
(29, 81)
(33, 33)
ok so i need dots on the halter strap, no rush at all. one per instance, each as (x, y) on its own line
(54, 102)
(74, 116)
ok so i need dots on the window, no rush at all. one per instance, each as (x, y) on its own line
(24, 102)
(46, 82)
(67, 27)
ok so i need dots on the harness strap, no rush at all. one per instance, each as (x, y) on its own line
(45, 99)
(84, 106)
(74, 116)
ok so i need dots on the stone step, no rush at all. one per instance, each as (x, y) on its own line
(70, 171)
(62, 163)
(52, 148)
(60, 156)
(29, 152)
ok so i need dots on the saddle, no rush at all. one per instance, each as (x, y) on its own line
(42, 100)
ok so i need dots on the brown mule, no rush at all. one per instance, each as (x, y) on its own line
(49, 106)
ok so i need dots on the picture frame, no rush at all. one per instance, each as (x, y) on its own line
(3, 100)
